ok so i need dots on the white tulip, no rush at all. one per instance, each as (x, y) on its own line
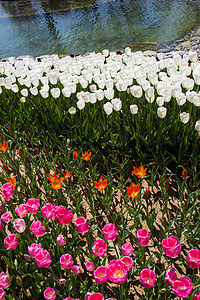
(93, 98)
(196, 76)
(188, 83)
(44, 93)
(171, 69)
(24, 92)
(0, 90)
(136, 91)
(161, 111)
(105, 52)
(197, 102)
(35, 80)
(66, 92)
(99, 94)
(93, 88)
(101, 84)
(153, 78)
(117, 104)
(86, 97)
(15, 88)
(181, 99)
(27, 82)
(72, 110)
(176, 91)
(149, 92)
(55, 92)
(192, 56)
(23, 99)
(184, 117)
(21, 80)
(109, 83)
(109, 94)
(192, 96)
(80, 104)
(34, 91)
(160, 101)
(197, 125)
(83, 83)
(44, 80)
(108, 108)
(167, 98)
(134, 109)
(53, 78)
(162, 76)
(185, 70)
(127, 51)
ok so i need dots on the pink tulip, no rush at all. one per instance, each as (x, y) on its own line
(2, 294)
(62, 281)
(129, 263)
(11, 242)
(34, 249)
(66, 261)
(170, 276)
(182, 287)
(7, 191)
(143, 237)
(6, 217)
(82, 225)
(89, 265)
(117, 272)
(110, 232)
(21, 210)
(127, 249)
(171, 246)
(147, 278)
(48, 211)
(96, 296)
(63, 215)
(61, 240)
(37, 228)
(99, 248)
(0, 224)
(19, 225)
(4, 280)
(196, 297)
(193, 258)
(76, 270)
(49, 294)
(100, 274)
(68, 298)
(43, 258)
(32, 205)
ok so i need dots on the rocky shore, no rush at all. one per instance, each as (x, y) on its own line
(190, 42)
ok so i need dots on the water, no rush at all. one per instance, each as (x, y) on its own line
(76, 27)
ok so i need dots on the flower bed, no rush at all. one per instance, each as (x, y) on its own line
(99, 172)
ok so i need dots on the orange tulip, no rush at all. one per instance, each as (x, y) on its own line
(133, 191)
(86, 156)
(4, 146)
(56, 184)
(146, 192)
(12, 180)
(184, 174)
(101, 184)
(53, 177)
(75, 155)
(67, 175)
(19, 153)
(139, 172)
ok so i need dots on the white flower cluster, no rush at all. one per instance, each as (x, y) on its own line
(101, 75)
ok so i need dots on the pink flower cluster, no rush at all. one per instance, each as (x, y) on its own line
(181, 287)
(42, 257)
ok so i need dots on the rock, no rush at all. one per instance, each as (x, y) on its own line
(149, 53)
(165, 50)
(186, 44)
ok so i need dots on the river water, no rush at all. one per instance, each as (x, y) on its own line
(77, 27)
